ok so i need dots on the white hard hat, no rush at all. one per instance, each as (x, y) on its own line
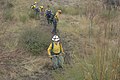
(55, 38)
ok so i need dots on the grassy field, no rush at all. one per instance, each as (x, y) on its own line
(90, 37)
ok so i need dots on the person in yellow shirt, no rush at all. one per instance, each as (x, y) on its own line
(36, 9)
(34, 6)
(55, 52)
(41, 10)
(57, 16)
(55, 21)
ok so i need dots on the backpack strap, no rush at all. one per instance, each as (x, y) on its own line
(52, 45)
(52, 49)
(60, 47)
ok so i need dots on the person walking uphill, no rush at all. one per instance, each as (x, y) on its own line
(48, 13)
(55, 52)
(36, 9)
(41, 10)
(55, 21)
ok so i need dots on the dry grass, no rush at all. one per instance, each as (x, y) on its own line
(94, 54)
(19, 65)
(15, 63)
(94, 57)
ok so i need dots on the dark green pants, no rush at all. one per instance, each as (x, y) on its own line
(57, 61)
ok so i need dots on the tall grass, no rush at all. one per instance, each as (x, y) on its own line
(23, 18)
(71, 10)
(100, 57)
(8, 11)
(98, 66)
(8, 16)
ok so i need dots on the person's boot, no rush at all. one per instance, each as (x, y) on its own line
(54, 67)
(61, 67)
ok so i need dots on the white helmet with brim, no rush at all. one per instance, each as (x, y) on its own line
(55, 38)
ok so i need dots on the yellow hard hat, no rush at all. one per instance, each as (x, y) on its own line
(41, 6)
(34, 6)
(59, 11)
(35, 2)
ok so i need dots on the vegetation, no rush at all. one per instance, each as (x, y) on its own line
(89, 30)
(23, 18)
(32, 14)
(8, 15)
(34, 40)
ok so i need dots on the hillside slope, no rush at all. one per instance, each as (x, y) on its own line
(15, 63)
(90, 38)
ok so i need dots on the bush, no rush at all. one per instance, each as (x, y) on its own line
(32, 14)
(34, 41)
(6, 4)
(8, 15)
(2, 2)
(9, 5)
(23, 18)
(109, 14)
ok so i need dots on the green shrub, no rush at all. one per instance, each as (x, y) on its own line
(8, 15)
(9, 4)
(6, 4)
(35, 41)
(2, 2)
(32, 14)
(109, 14)
(23, 18)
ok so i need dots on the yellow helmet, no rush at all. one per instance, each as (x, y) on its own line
(59, 11)
(34, 6)
(35, 2)
(41, 7)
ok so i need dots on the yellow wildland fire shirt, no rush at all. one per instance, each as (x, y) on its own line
(57, 48)
(57, 16)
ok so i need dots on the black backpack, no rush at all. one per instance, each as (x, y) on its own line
(48, 13)
(52, 16)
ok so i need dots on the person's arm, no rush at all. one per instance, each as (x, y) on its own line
(49, 49)
(57, 16)
(62, 49)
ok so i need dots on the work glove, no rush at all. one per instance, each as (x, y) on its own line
(62, 54)
(50, 56)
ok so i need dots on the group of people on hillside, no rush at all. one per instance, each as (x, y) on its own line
(37, 9)
(52, 18)
(55, 49)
